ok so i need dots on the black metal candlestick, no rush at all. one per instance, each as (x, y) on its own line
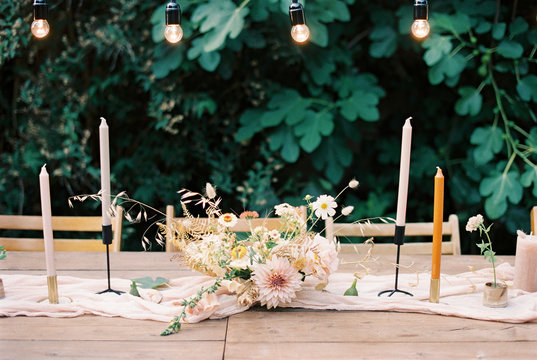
(399, 239)
(107, 240)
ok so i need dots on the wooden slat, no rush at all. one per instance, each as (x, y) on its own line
(450, 228)
(155, 348)
(26, 244)
(402, 350)
(61, 223)
(533, 215)
(97, 328)
(369, 326)
(406, 249)
(242, 225)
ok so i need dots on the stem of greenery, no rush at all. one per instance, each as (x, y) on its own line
(175, 324)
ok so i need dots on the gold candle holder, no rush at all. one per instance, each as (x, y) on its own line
(52, 283)
(434, 294)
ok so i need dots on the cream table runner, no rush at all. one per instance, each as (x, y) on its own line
(461, 295)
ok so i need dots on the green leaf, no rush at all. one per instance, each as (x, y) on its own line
(483, 27)
(333, 156)
(318, 33)
(489, 140)
(470, 101)
(518, 26)
(458, 23)
(438, 47)
(527, 88)
(209, 60)
(499, 188)
(448, 67)
(171, 59)
(352, 291)
(250, 124)
(530, 177)
(312, 128)
(361, 104)
(320, 69)
(498, 31)
(134, 289)
(532, 36)
(285, 105)
(384, 42)
(510, 49)
(149, 283)
(284, 139)
(219, 19)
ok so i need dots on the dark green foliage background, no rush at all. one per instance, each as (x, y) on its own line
(238, 104)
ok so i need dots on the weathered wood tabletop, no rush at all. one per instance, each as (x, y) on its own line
(257, 333)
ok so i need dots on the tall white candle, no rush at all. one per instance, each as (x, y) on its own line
(404, 173)
(46, 214)
(105, 171)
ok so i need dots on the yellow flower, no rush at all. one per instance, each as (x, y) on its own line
(238, 252)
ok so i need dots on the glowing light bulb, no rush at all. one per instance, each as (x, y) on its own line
(300, 33)
(40, 28)
(420, 29)
(173, 33)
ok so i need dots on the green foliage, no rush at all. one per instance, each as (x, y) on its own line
(237, 103)
(2, 253)
(150, 283)
(175, 324)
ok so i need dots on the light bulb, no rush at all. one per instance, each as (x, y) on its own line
(40, 28)
(173, 33)
(300, 33)
(420, 28)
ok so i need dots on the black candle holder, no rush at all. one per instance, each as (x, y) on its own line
(107, 240)
(399, 239)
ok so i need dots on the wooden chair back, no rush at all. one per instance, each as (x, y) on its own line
(451, 228)
(242, 225)
(61, 223)
(533, 215)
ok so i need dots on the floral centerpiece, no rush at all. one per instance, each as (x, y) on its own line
(262, 266)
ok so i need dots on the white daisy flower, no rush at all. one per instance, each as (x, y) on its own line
(324, 206)
(228, 220)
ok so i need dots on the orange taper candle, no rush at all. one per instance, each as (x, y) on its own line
(438, 218)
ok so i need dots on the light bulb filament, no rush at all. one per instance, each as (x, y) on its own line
(420, 28)
(300, 33)
(173, 33)
(40, 28)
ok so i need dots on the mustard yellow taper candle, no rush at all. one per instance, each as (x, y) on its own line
(438, 218)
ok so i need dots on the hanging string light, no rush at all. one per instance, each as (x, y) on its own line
(420, 27)
(173, 32)
(40, 27)
(299, 30)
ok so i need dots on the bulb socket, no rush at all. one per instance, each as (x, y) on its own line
(40, 10)
(421, 10)
(297, 14)
(173, 13)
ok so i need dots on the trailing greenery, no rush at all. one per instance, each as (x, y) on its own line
(238, 104)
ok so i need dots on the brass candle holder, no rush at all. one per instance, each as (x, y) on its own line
(52, 283)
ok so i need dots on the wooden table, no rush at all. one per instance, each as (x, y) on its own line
(257, 333)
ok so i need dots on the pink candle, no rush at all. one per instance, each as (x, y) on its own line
(46, 215)
(526, 262)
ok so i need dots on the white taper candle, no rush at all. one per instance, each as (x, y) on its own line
(46, 215)
(404, 171)
(105, 171)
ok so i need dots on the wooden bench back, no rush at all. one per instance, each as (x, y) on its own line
(533, 215)
(60, 223)
(242, 225)
(451, 228)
